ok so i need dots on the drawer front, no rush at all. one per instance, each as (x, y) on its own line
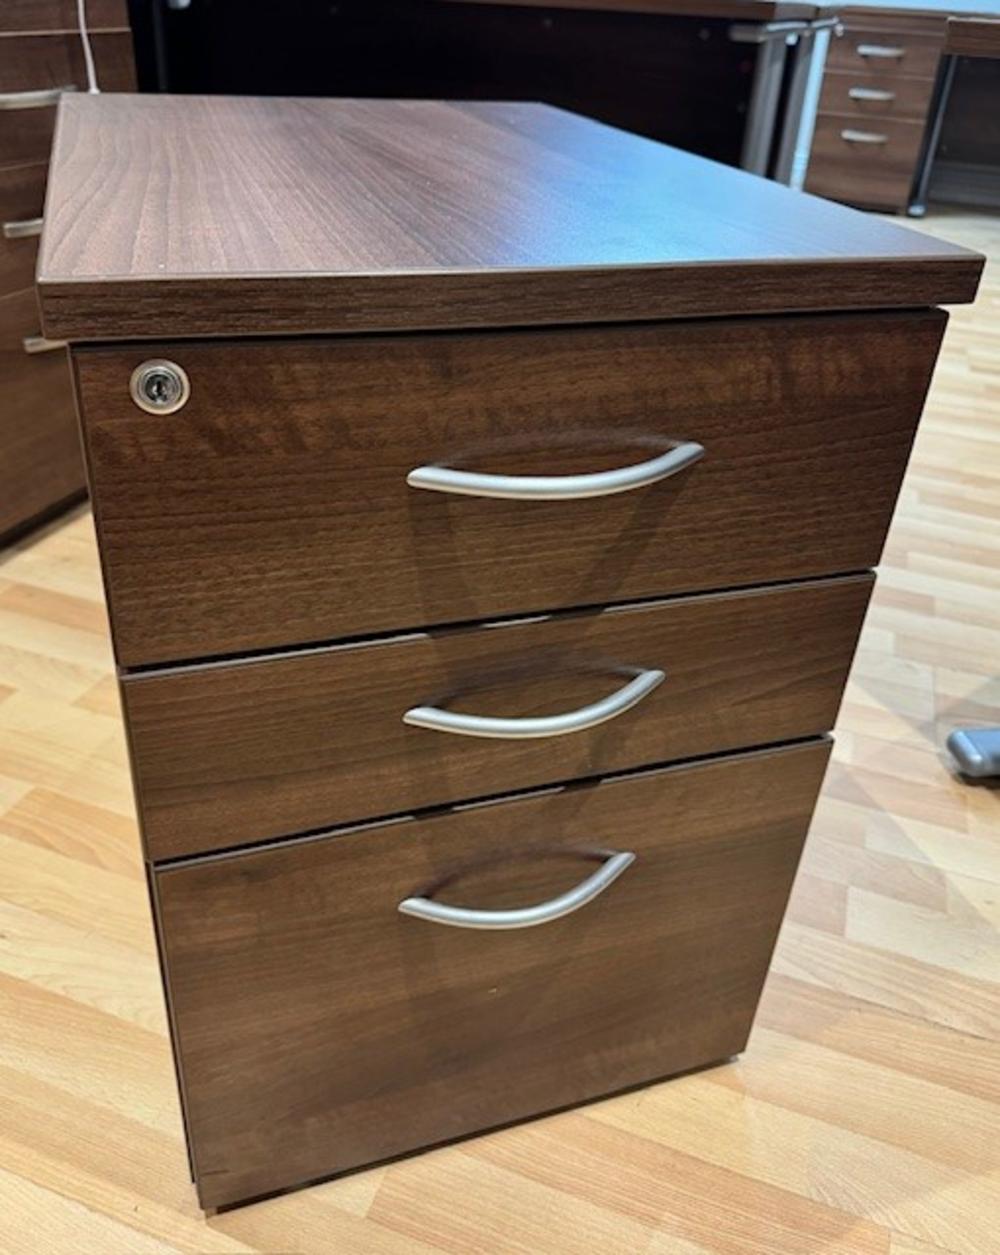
(34, 63)
(61, 15)
(264, 749)
(26, 135)
(22, 194)
(864, 163)
(885, 50)
(274, 508)
(318, 1028)
(40, 462)
(866, 98)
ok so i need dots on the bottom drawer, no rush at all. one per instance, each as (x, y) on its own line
(319, 1028)
(41, 464)
(868, 162)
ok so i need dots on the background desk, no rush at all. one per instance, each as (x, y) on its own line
(723, 78)
(973, 36)
(858, 117)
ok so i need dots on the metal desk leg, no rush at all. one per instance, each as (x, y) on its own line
(773, 39)
(946, 76)
(803, 103)
(976, 751)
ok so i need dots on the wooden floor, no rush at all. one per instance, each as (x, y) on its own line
(864, 1116)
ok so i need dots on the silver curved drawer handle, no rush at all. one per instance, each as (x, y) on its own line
(864, 137)
(41, 99)
(556, 487)
(884, 52)
(870, 93)
(39, 344)
(526, 916)
(546, 725)
(23, 229)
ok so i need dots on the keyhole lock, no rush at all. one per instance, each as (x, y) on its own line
(159, 387)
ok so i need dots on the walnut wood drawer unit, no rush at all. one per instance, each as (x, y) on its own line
(877, 90)
(455, 1029)
(486, 501)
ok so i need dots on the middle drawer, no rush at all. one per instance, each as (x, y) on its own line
(22, 193)
(232, 753)
(866, 96)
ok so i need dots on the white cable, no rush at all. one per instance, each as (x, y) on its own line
(88, 52)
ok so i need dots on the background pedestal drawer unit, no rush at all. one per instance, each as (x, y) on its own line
(487, 502)
(41, 57)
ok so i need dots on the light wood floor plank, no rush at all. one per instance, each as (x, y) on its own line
(639, 1176)
(822, 1161)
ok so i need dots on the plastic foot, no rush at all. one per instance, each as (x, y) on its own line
(976, 751)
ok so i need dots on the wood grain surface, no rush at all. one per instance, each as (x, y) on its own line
(316, 215)
(973, 37)
(910, 97)
(293, 1069)
(920, 50)
(228, 755)
(880, 175)
(861, 1118)
(61, 15)
(273, 509)
(34, 61)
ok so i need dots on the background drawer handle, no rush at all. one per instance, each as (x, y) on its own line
(42, 99)
(527, 916)
(546, 725)
(556, 487)
(884, 52)
(21, 230)
(864, 137)
(870, 93)
(39, 344)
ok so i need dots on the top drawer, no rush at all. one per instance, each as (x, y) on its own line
(885, 51)
(274, 508)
